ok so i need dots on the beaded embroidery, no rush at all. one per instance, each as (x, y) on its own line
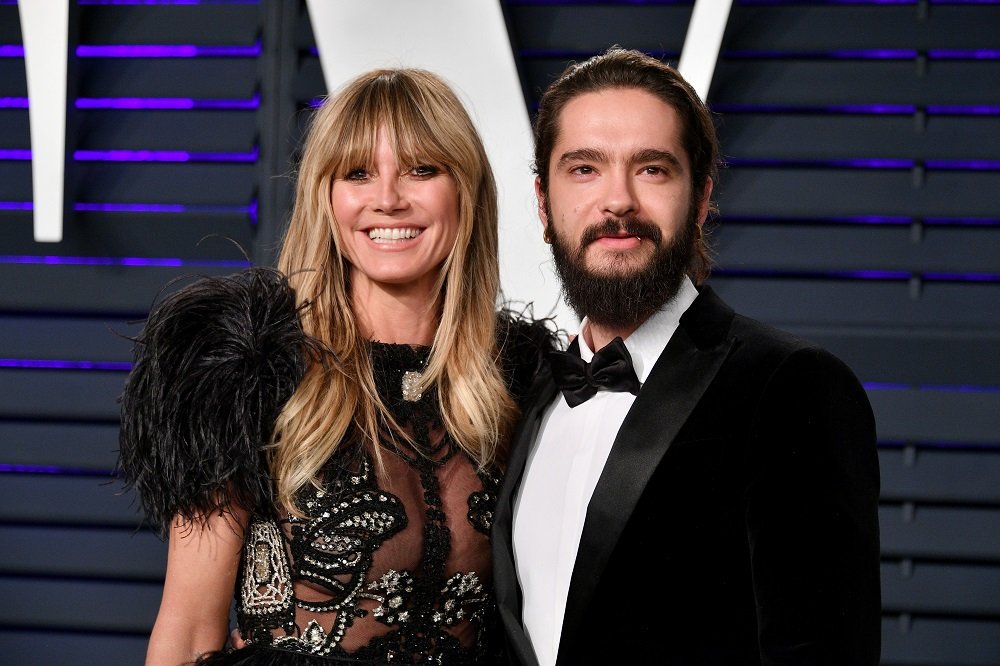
(333, 549)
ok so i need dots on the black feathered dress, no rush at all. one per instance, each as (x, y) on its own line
(385, 568)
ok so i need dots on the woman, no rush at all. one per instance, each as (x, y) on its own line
(371, 544)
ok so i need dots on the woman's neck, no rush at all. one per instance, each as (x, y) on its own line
(404, 314)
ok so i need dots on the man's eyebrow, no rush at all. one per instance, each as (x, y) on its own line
(583, 155)
(648, 155)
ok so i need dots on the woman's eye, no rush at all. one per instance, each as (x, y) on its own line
(356, 174)
(425, 170)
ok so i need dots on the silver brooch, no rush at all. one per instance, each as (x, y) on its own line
(411, 386)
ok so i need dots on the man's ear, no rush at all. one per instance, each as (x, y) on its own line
(540, 199)
(703, 201)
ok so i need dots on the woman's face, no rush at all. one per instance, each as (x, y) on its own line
(397, 223)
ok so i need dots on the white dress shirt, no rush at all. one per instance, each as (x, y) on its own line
(561, 473)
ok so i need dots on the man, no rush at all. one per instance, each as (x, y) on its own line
(717, 505)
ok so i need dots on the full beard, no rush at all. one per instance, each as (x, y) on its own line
(623, 292)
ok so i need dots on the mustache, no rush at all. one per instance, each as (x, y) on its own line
(628, 226)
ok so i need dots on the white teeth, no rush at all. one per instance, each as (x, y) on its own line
(396, 233)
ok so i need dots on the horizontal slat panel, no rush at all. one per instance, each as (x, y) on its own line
(824, 192)
(808, 82)
(940, 532)
(84, 553)
(791, 27)
(13, 79)
(211, 78)
(191, 130)
(74, 394)
(914, 356)
(166, 183)
(930, 588)
(142, 182)
(66, 500)
(205, 236)
(15, 182)
(14, 132)
(941, 475)
(80, 605)
(799, 302)
(934, 416)
(104, 289)
(74, 445)
(53, 646)
(817, 136)
(201, 24)
(940, 642)
(802, 247)
(10, 26)
(590, 28)
(94, 339)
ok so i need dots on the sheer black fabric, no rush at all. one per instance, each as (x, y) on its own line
(394, 571)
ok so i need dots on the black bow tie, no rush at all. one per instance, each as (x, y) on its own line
(611, 369)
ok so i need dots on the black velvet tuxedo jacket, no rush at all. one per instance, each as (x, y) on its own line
(735, 520)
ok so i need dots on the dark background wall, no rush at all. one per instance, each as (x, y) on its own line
(859, 209)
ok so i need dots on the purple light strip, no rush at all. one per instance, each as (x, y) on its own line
(129, 103)
(944, 388)
(166, 51)
(6, 468)
(885, 220)
(899, 444)
(865, 2)
(168, 2)
(50, 364)
(140, 156)
(888, 276)
(148, 51)
(868, 54)
(871, 163)
(862, 109)
(92, 207)
(161, 156)
(53, 260)
(180, 103)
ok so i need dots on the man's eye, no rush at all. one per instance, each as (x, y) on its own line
(425, 170)
(653, 170)
(583, 170)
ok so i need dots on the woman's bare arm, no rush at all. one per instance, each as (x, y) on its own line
(202, 562)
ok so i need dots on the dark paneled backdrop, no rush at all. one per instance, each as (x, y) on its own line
(859, 209)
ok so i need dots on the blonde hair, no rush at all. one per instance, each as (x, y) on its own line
(424, 123)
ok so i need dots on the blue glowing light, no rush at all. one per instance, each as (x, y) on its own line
(52, 364)
(161, 262)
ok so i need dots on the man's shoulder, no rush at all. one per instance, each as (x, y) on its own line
(766, 349)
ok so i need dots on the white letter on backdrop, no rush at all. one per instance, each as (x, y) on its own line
(45, 34)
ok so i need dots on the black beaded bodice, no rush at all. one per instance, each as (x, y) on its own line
(384, 568)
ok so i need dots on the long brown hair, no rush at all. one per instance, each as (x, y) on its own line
(424, 122)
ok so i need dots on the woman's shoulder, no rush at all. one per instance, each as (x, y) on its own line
(523, 342)
(212, 368)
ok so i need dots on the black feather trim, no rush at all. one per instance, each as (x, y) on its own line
(213, 367)
(523, 342)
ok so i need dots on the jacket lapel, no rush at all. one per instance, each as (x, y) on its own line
(676, 383)
(508, 589)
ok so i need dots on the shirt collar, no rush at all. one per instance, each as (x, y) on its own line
(649, 340)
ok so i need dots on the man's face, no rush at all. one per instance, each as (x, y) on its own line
(618, 206)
